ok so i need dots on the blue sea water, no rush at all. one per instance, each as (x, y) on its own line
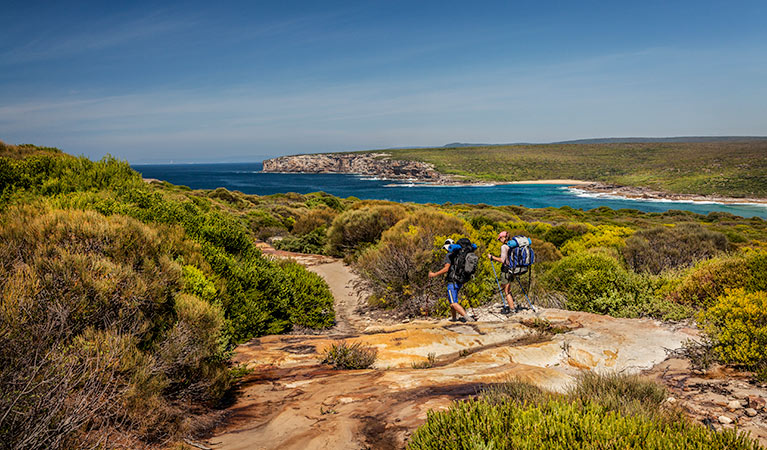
(248, 178)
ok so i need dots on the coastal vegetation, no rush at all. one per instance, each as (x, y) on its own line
(130, 295)
(730, 168)
(599, 412)
(122, 301)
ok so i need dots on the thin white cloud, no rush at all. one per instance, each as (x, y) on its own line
(582, 98)
(102, 35)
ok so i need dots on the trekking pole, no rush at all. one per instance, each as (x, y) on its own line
(500, 291)
(526, 297)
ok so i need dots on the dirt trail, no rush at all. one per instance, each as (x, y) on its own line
(340, 279)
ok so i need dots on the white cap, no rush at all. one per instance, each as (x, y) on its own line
(448, 243)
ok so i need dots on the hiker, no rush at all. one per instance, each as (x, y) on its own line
(454, 283)
(506, 276)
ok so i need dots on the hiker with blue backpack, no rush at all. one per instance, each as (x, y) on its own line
(506, 277)
(460, 263)
(516, 258)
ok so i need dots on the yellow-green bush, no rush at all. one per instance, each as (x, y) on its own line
(706, 281)
(560, 424)
(93, 306)
(313, 219)
(354, 229)
(595, 281)
(196, 283)
(736, 324)
(603, 236)
(562, 233)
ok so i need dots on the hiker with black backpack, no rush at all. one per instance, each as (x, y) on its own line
(460, 263)
(506, 276)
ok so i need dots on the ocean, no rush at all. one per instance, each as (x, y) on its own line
(248, 178)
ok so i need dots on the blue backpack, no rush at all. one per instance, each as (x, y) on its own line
(521, 255)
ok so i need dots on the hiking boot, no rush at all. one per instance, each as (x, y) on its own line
(505, 310)
(462, 319)
(453, 319)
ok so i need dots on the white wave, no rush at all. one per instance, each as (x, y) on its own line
(612, 196)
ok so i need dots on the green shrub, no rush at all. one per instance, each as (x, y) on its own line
(736, 325)
(260, 220)
(625, 394)
(312, 242)
(324, 200)
(342, 355)
(596, 282)
(356, 228)
(559, 424)
(312, 304)
(662, 248)
(708, 280)
(93, 305)
(587, 277)
(560, 234)
(313, 219)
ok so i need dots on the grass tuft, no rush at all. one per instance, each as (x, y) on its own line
(342, 355)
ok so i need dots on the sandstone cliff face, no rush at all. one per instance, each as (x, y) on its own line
(372, 164)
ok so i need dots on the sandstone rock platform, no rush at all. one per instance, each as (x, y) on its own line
(292, 401)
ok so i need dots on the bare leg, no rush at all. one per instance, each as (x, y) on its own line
(509, 298)
(456, 307)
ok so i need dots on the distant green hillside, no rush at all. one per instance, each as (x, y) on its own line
(735, 169)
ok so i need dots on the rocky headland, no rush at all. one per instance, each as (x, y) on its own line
(378, 165)
(382, 166)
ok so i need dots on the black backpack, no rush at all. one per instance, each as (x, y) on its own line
(465, 262)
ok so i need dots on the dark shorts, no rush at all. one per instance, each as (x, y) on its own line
(452, 292)
(505, 278)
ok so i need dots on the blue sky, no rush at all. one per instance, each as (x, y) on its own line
(246, 81)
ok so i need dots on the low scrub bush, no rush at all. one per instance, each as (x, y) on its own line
(94, 306)
(562, 233)
(396, 269)
(589, 276)
(701, 285)
(599, 412)
(325, 201)
(356, 228)
(606, 236)
(736, 325)
(662, 248)
(313, 219)
(595, 281)
(312, 305)
(560, 424)
(312, 242)
(349, 356)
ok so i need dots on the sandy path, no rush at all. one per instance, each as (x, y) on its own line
(340, 279)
